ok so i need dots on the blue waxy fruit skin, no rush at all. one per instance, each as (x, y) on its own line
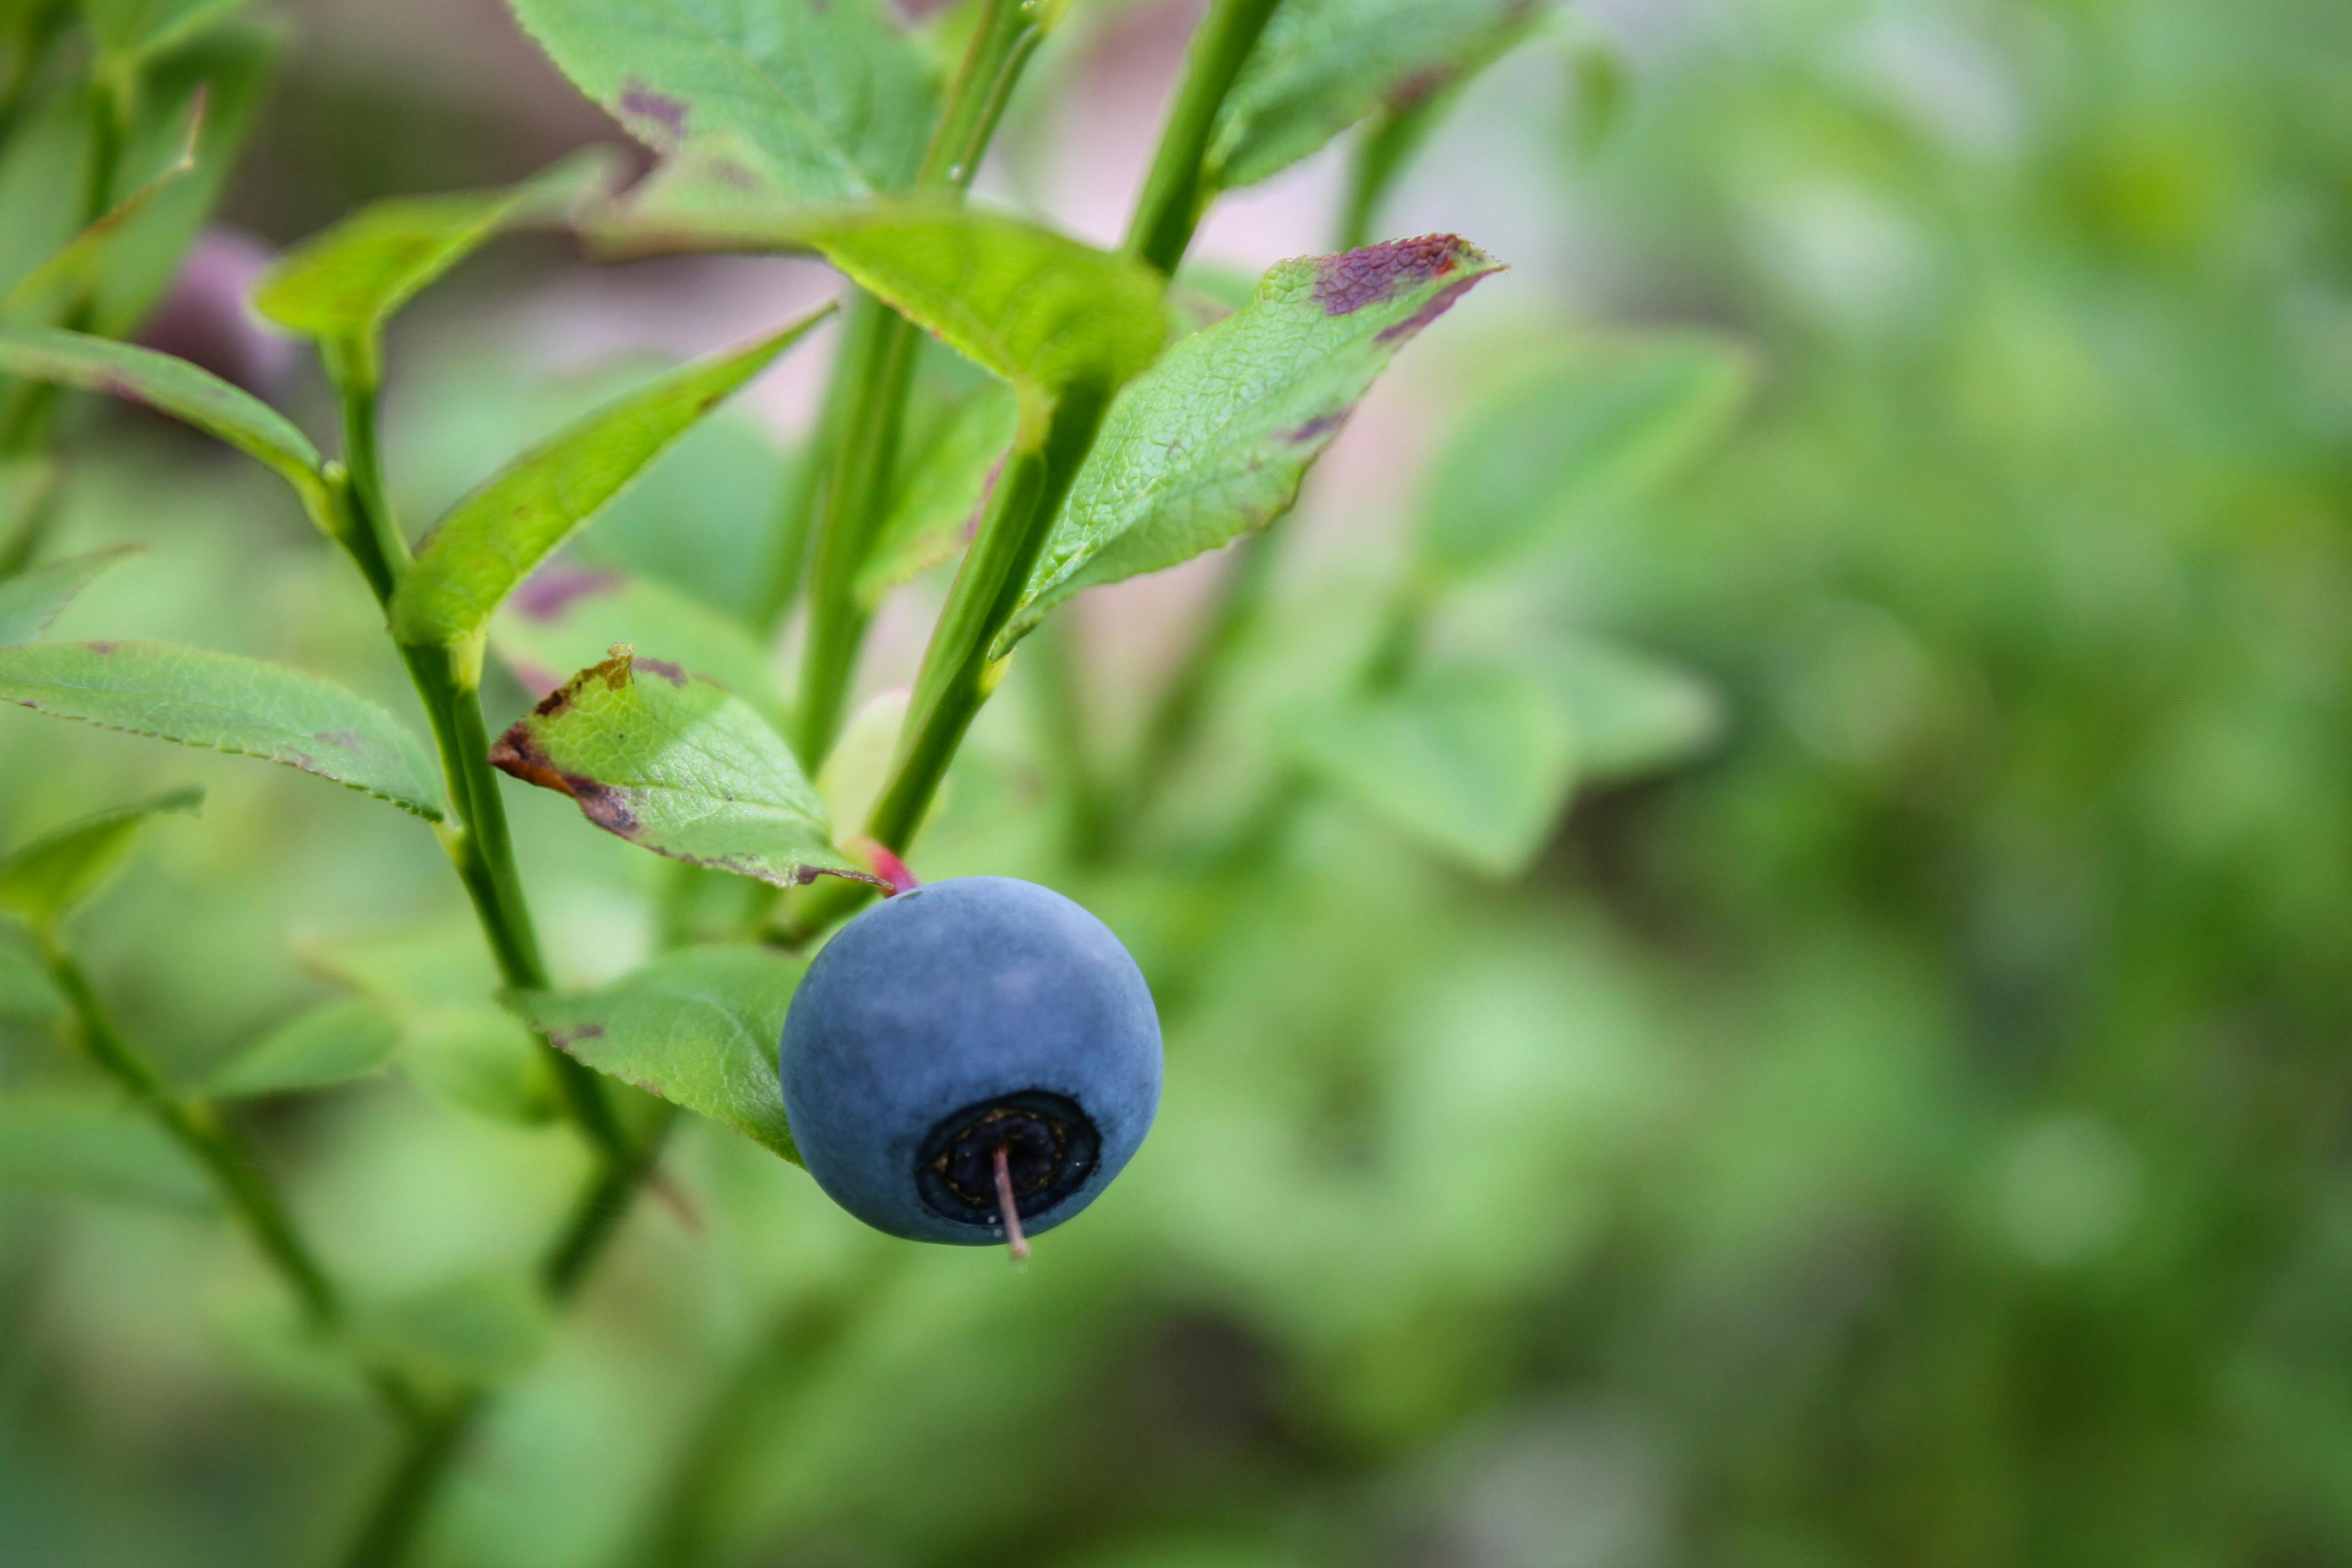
(964, 994)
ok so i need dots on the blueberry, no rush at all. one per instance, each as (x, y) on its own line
(963, 1042)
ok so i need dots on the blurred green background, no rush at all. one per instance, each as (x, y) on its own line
(1908, 1129)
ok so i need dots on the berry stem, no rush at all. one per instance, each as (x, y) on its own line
(1014, 1242)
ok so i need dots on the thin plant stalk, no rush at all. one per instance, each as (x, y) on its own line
(479, 844)
(1176, 189)
(195, 1123)
(867, 407)
(197, 1127)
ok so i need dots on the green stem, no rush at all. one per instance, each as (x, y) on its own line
(958, 671)
(198, 1128)
(878, 351)
(1382, 149)
(399, 1511)
(866, 407)
(799, 1336)
(378, 546)
(36, 510)
(796, 511)
(479, 844)
(1177, 189)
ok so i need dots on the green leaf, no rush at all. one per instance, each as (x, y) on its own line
(84, 1145)
(477, 1058)
(497, 536)
(1474, 762)
(833, 102)
(1633, 714)
(48, 290)
(329, 1045)
(455, 1043)
(130, 30)
(31, 600)
(698, 1028)
(42, 881)
(1589, 428)
(567, 617)
(229, 70)
(171, 386)
(346, 282)
(1213, 441)
(1037, 308)
(1322, 65)
(27, 994)
(857, 767)
(44, 163)
(674, 764)
(242, 706)
(942, 484)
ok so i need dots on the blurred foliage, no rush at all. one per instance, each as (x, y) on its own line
(1909, 1132)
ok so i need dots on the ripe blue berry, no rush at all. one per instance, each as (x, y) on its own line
(968, 1045)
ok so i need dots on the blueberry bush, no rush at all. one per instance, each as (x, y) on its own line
(1702, 704)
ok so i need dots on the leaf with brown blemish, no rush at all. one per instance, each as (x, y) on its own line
(677, 765)
(1213, 441)
(565, 617)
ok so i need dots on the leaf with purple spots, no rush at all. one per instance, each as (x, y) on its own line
(1213, 441)
(697, 1028)
(828, 99)
(243, 705)
(674, 764)
(1322, 65)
